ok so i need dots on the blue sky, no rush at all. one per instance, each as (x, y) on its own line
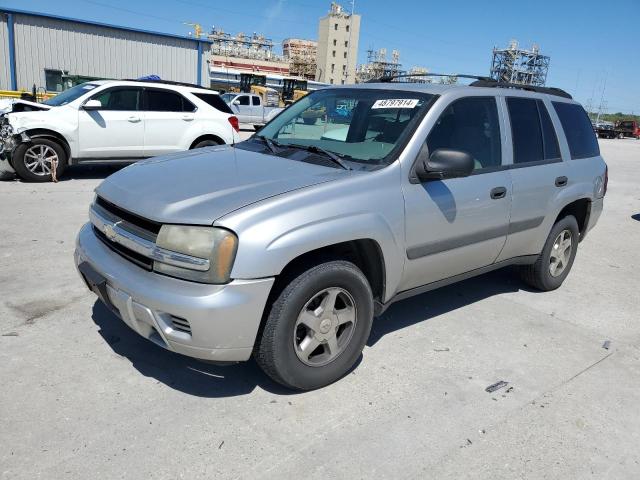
(585, 40)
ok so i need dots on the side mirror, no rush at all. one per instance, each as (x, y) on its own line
(92, 105)
(236, 102)
(444, 163)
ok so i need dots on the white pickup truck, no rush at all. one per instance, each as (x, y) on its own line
(249, 108)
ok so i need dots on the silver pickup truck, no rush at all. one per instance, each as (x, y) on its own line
(286, 246)
(249, 108)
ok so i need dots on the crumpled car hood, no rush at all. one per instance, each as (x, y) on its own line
(199, 186)
(12, 104)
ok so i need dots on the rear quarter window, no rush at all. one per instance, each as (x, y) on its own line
(213, 100)
(578, 130)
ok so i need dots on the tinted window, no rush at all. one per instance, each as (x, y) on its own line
(167, 101)
(470, 124)
(525, 130)
(214, 100)
(577, 128)
(121, 99)
(243, 100)
(549, 138)
(255, 100)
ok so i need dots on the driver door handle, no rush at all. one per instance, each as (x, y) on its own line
(133, 119)
(498, 192)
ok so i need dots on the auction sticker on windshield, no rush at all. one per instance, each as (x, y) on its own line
(396, 103)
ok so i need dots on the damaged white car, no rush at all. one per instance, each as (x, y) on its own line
(110, 121)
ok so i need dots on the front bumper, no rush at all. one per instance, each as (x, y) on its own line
(222, 320)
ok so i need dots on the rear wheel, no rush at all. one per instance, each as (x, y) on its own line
(37, 160)
(555, 261)
(317, 326)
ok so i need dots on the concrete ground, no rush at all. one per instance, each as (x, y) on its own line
(82, 396)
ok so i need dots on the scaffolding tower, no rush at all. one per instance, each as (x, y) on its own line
(516, 65)
(301, 55)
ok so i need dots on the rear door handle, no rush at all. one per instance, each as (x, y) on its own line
(133, 119)
(498, 192)
(187, 117)
(561, 181)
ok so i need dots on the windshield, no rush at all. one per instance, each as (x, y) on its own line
(362, 125)
(227, 97)
(70, 95)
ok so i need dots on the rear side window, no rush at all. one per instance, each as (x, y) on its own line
(471, 125)
(167, 101)
(255, 100)
(526, 131)
(578, 130)
(214, 100)
(243, 100)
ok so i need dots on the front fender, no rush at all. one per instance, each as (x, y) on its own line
(274, 232)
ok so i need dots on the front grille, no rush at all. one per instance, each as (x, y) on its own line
(131, 218)
(181, 324)
(127, 253)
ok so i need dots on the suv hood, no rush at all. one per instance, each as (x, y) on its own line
(12, 105)
(199, 186)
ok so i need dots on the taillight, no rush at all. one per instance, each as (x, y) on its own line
(606, 180)
(234, 123)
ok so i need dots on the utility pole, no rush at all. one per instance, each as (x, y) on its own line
(604, 86)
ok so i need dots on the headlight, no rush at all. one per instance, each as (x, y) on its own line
(214, 244)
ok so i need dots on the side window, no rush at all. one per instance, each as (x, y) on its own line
(549, 137)
(167, 101)
(255, 100)
(119, 99)
(470, 124)
(526, 132)
(577, 128)
(243, 99)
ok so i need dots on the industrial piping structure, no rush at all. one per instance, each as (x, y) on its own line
(519, 66)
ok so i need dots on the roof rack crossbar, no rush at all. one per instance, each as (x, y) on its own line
(491, 83)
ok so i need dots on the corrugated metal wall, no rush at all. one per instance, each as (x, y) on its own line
(5, 80)
(84, 49)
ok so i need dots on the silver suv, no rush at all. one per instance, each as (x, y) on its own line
(286, 246)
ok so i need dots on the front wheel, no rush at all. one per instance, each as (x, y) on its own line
(557, 256)
(206, 143)
(39, 159)
(317, 326)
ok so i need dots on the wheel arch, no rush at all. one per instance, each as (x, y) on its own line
(53, 135)
(207, 136)
(581, 210)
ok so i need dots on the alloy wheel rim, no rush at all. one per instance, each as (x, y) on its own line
(39, 158)
(560, 253)
(324, 327)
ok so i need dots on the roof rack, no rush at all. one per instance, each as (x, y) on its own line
(389, 78)
(167, 82)
(491, 83)
(480, 81)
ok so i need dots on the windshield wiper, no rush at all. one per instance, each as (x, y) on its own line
(314, 149)
(271, 144)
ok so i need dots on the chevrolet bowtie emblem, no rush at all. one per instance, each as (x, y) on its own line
(109, 232)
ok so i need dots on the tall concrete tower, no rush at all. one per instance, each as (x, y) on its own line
(338, 35)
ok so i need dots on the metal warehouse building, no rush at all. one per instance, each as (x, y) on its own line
(44, 49)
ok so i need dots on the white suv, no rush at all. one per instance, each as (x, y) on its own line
(115, 121)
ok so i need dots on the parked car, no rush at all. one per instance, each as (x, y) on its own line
(605, 130)
(249, 108)
(628, 128)
(288, 245)
(114, 121)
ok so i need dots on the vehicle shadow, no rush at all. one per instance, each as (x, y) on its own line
(90, 172)
(426, 306)
(179, 372)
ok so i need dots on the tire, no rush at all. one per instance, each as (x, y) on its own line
(621, 136)
(543, 275)
(26, 154)
(206, 143)
(280, 349)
